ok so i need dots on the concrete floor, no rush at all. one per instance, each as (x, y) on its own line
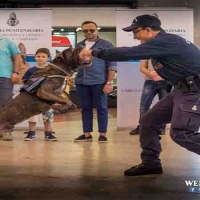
(41, 170)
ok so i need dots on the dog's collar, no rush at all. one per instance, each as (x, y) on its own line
(57, 67)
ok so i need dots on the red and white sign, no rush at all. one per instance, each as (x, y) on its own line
(60, 41)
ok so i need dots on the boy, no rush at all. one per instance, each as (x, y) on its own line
(42, 55)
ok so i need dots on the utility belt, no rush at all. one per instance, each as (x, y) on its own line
(190, 84)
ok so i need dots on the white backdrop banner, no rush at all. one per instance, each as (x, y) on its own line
(130, 80)
(30, 29)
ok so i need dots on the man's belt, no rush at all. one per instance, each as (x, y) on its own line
(190, 84)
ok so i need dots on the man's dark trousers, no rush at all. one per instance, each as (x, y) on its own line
(93, 96)
(182, 108)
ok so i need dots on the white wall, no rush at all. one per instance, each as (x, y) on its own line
(103, 16)
(73, 17)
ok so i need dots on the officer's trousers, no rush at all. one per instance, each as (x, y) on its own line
(180, 108)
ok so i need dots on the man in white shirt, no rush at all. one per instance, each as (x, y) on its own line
(153, 85)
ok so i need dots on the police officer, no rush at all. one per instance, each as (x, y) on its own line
(177, 61)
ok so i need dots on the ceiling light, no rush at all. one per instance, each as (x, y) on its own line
(78, 29)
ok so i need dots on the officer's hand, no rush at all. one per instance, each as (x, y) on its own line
(108, 88)
(69, 79)
(85, 57)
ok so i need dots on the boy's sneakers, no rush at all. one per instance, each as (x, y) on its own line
(82, 138)
(30, 136)
(49, 136)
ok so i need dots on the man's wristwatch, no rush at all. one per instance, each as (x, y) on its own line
(109, 82)
(16, 72)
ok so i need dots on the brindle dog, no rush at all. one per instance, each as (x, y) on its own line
(26, 105)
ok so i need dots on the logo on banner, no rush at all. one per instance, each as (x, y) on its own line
(193, 185)
(131, 90)
(13, 21)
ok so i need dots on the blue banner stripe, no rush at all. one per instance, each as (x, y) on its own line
(133, 61)
(30, 59)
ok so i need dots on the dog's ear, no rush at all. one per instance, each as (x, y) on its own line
(67, 54)
(57, 52)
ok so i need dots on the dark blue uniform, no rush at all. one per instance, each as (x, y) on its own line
(173, 57)
(177, 61)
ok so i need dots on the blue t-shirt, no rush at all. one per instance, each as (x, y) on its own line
(30, 72)
(8, 49)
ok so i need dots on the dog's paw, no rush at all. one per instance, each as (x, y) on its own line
(72, 107)
(56, 106)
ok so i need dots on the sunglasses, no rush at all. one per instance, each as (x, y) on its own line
(137, 31)
(88, 30)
